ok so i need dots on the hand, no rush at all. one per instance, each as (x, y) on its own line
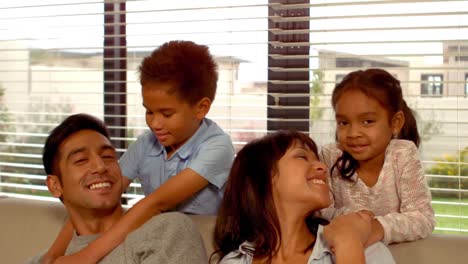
(349, 229)
(370, 213)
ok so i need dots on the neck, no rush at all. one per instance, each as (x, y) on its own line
(94, 221)
(295, 236)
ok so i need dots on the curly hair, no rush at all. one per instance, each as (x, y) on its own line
(187, 65)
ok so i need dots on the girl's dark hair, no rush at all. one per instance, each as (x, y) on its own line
(247, 212)
(386, 89)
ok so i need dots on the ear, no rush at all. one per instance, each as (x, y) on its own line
(202, 107)
(398, 120)
(54, 185)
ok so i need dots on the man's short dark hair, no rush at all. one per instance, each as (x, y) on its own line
(69, 126)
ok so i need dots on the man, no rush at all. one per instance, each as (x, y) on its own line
(83, 171)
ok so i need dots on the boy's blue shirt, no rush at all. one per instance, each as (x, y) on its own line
(209, 152)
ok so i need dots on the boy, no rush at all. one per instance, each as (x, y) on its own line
(185, 158)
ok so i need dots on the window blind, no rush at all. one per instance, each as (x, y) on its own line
(422, 43)
(63, 57)
(278, 62)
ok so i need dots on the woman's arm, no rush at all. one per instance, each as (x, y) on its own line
(171, 193)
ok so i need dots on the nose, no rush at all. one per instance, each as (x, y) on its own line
(354, 131)
(155, 123)
(320, 167)
(98, 165)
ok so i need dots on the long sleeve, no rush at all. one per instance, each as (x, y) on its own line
(415, 219)
(400, 199)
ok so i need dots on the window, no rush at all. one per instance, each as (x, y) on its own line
(466, 83)
(432, 84)
(339, 77)
(278, 59)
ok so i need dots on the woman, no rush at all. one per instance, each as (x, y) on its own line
(275, 186)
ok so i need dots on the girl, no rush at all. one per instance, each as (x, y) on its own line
(375, 164)
(275, 186)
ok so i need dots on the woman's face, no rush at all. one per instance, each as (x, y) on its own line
(301, 178)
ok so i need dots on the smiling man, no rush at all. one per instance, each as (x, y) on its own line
(83, 171)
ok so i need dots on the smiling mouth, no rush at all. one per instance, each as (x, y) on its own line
(318, 181)
(99, 185)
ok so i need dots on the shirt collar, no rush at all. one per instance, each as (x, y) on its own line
(321, 246)
(186, 149)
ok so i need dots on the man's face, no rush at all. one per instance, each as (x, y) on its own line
(90, 176)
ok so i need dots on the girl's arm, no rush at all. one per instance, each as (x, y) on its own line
(174, 191)
(60, 244)
(416, 217)
(347, 235)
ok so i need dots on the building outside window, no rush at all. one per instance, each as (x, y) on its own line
(466, 83)
(431, 84)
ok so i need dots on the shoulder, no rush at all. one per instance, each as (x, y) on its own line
(329, 153)
(402, 148)
(172, 220)
(402, 145)
(239, 256)
(214, 133)
(379, 253)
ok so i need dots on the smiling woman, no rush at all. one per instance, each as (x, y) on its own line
(276, 185)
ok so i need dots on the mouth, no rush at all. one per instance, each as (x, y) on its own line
(357, 148)
(318, 181)
(99, 185)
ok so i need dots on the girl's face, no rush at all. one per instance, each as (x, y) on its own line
(363, 126)
(301, 179)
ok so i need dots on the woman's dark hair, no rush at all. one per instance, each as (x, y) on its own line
(247, 212)
(69, 126)
(383, 87)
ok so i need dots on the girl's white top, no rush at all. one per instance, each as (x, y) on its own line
(400, 200)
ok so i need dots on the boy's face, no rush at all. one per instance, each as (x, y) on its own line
(172, 119)
(90, 176)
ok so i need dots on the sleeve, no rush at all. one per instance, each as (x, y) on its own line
(378, 253)
(130, 159)
(416, 217)
(170, 238)
(35, 259)
(213, 160)
(328, 155)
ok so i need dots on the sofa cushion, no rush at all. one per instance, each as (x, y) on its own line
(30, 226)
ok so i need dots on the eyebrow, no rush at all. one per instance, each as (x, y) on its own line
(160, 109)
(360, 115)
(82, 149)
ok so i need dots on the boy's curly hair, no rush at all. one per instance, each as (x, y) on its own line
(189, 66)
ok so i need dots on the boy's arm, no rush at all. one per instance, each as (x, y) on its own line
(60, 244)
(171, 193)
(416, 218)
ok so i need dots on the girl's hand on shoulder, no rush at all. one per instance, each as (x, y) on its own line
(348, 230)
(369, 213)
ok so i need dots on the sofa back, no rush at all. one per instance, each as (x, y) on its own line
(28, 227)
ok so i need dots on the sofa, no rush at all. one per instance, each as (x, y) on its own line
(28, 227)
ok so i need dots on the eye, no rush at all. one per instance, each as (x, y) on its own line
(167, 114)
(108, 157)
(148, 112)
(341, 123)
(368, 122)
(80, 161)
